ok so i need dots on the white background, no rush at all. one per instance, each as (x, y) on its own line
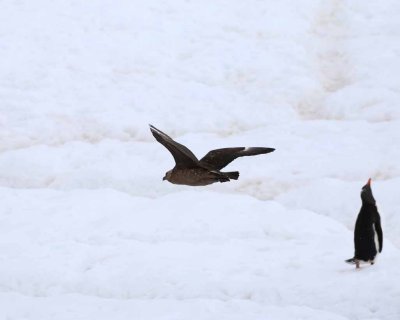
(88, 230)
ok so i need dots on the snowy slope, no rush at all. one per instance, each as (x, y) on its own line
(89, 230)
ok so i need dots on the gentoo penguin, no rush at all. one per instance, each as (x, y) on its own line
(368, 237)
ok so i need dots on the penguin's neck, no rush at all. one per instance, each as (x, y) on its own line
(367, 206)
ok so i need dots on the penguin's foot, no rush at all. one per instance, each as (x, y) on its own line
(351, 261)
(354, 261)
(358, 262)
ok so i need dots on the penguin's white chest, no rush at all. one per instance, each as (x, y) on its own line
(376, 239)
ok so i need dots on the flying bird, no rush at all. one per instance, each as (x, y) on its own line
(190, 171)
(368, 236)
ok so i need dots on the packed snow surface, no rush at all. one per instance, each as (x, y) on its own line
(88, 229)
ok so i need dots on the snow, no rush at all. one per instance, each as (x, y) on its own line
(90, 231)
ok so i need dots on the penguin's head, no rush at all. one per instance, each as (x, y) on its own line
(366, 193)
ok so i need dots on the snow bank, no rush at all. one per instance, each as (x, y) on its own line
(193, 245)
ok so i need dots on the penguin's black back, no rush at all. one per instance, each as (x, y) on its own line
(368, 226)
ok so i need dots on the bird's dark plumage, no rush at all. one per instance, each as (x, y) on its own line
(220, 158)
(183, 156)
(191, 171)
(368, 236)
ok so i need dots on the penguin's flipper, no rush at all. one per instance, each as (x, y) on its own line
(379, 233)
(351, 261)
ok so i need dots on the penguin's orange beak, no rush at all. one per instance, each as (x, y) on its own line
(369, 182)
